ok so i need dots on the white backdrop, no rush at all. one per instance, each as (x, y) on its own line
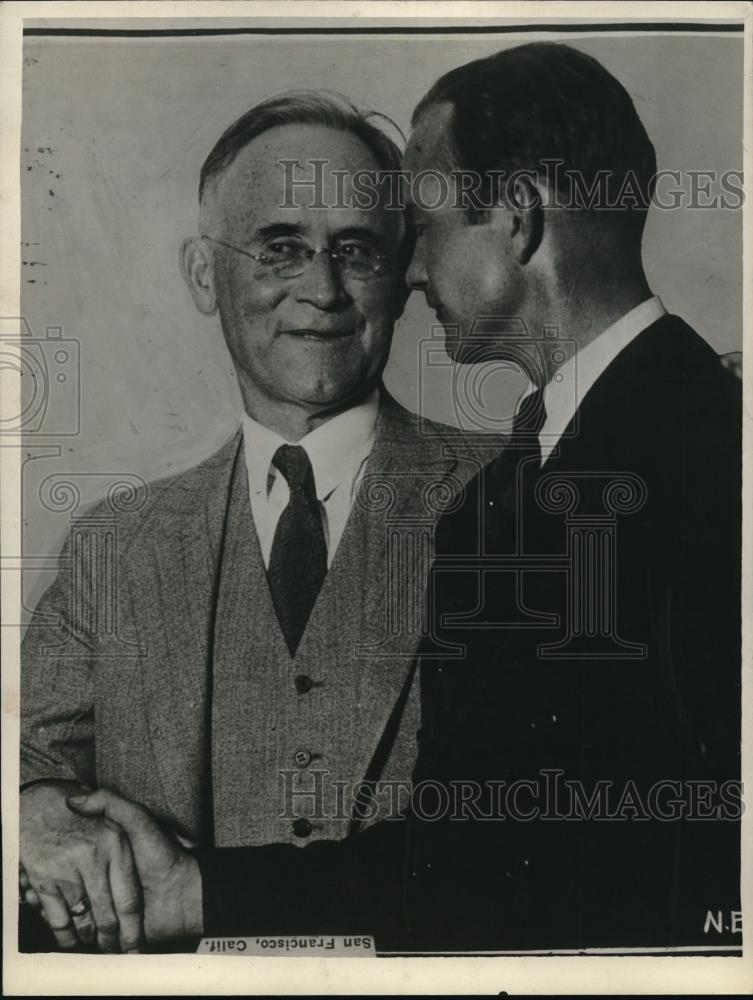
(114, 134)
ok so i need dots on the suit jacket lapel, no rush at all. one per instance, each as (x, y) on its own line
(247, 639)
(406, 483)
(376, 581)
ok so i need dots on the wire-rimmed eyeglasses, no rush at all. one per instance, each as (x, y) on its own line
(289, 258)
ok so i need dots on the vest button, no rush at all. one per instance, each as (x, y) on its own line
(302, 827)
(302, 758)
(303, 684)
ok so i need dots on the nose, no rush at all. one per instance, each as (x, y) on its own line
(416, 276)
(320, 284)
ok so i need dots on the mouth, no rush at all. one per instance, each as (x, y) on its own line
(326, 334)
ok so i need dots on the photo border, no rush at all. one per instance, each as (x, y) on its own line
(59, 974)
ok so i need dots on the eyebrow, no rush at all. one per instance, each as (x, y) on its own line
(281, 229)
(358, 232)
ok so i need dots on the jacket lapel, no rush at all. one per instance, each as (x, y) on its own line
(248, 653)
(373, 593)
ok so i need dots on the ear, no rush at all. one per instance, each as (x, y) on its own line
(527, 228)
(197, 268)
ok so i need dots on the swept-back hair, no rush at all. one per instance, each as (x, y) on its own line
(544, 101)
(303, 107)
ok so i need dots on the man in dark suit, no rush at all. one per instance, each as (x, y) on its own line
(580, 680)
(593, 573)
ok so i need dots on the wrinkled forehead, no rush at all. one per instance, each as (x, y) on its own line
(308, 175)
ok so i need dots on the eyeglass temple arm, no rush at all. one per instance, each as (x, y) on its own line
(229, 246)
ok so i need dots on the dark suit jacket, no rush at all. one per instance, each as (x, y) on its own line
(591, 627)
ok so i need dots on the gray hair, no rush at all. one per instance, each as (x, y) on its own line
(302, 107)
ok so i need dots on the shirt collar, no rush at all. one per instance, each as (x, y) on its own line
(336, 448)
(565, 392)
(260, 444)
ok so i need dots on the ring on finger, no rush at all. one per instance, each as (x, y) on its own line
(81, 907)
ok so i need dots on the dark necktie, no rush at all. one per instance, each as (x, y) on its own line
(529, 419)
(298, 561)
(521, 459)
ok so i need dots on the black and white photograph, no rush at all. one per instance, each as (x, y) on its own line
(373, 433)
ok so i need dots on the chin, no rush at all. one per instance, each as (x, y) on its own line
(330, 395)
(456, 347)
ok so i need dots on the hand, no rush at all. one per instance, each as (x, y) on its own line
(169, 875)
(67, 859)
(733, 362)
(25, 891)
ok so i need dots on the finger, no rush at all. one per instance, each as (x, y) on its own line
(127, 897)
(85, 926)
(91, 804)
(25, 891)
(31, 898)
(74, 895)
(120, 900)
(186, 842)
(103, 913)
(733, 362)
(131, 816)
(57, 916)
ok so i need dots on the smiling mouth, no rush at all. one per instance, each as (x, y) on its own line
(311, 334)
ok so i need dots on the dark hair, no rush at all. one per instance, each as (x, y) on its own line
(302, 107)
(546, 101)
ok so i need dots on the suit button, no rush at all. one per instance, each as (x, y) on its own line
(302, 758)
(302, 827)
(303, 684)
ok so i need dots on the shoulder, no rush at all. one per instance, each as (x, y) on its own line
(436, 439)
(667, 383)
(676, 412)
(672, 357)
(155, 504)
(700, 395)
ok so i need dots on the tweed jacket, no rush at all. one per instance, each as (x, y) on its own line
(155, 665)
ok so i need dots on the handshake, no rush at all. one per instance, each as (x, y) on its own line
(101, 870)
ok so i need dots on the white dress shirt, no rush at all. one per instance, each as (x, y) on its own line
(337, 450)
(564, 393)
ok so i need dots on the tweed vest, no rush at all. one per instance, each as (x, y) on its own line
(293, 736)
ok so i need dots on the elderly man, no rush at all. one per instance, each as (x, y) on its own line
(268, 601)
(591, 579)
